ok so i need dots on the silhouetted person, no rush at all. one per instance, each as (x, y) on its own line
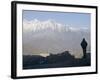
(84, 46)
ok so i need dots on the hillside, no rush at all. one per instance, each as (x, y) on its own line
(64, 59)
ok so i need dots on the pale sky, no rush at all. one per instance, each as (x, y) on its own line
(72, 19)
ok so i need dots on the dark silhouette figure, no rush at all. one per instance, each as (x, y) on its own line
(84, 46)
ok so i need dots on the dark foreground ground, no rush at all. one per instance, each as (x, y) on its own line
(54, 61)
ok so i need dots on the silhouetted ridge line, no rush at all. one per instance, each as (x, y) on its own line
(64, 59)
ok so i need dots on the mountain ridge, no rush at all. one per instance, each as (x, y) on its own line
(64, 59)
(37, 25)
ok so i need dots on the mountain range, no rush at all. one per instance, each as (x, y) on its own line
(63, 59)
(36, 25)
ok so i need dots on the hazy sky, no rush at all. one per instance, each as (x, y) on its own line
(72, 19)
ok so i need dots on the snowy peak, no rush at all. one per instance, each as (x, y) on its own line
(37, 25)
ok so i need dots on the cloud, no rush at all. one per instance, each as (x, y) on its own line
(52, 37)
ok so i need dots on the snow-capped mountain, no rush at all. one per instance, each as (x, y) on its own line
(52, 37)
(36, 25)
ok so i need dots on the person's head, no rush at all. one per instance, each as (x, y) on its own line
(83, 39)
